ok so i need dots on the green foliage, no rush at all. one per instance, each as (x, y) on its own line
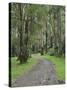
(38, 26)
(51, 51)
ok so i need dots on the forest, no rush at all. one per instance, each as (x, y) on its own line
(37, 29)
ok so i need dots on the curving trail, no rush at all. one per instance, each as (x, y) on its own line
(42, 73)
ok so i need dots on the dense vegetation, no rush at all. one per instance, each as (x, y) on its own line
(37, 32)
(37, 28)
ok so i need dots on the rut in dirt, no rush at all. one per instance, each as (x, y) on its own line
(43, 73)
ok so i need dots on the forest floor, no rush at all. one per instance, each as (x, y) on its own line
(43, 73)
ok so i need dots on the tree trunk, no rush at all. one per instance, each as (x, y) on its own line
(46, 36)
(55, 39)
(59, 32)
(22, 25)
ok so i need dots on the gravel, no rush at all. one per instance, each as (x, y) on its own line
(43, 73)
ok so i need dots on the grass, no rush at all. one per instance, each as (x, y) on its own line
(59, 64)
(19, 69)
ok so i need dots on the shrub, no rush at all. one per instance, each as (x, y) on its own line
(51, 51)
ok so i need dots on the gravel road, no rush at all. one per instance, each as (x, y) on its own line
(43, 73)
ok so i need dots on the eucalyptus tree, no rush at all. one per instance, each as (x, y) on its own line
(37, 28)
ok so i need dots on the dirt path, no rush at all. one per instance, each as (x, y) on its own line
(42, 74)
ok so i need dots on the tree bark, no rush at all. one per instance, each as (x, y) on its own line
(46, 36)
